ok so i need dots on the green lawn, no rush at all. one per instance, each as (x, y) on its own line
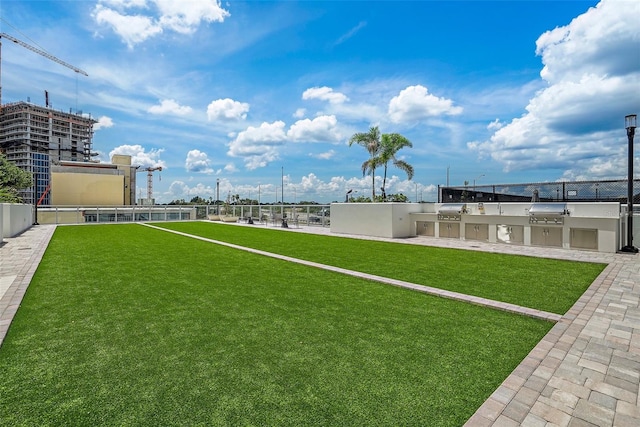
(127, 325)
(544, 284)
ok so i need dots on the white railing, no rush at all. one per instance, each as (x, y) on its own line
(292, 215)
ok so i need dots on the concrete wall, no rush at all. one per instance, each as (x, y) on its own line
(587, 226)
(16, 218)
(87, 189)
(373, 219)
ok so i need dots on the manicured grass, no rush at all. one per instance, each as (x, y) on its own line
(544, 284)
(126, 325)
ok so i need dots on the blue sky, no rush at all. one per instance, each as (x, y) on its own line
(494, 92)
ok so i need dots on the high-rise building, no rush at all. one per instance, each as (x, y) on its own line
(33, 137)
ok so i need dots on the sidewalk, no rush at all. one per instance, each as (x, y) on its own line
(585, 372)
(19, 259)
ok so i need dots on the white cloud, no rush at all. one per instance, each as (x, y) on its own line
(327, 155)
(258, 145)
(576, 121)
(170, 106)
(103, 123)
(139, 155)
(320, 129)
(351, 33)
(227, 110)
(136, 21)
(311, 184)
(133, 29)
(198, 161)
(600, 41)
(180, 190)
(495, 125)
(300, 112)
(185, 16)
(416, 103)
(325, 94)
(230, 167)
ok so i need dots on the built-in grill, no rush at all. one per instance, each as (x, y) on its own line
(451, 211)
(547, 213)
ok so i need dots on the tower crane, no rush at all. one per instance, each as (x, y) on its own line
(150, 171)
(39, 52)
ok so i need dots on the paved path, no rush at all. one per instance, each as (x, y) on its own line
(585, 372)
(19, 259)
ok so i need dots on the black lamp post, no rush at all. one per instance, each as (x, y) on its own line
(630, 124)
(218, 196)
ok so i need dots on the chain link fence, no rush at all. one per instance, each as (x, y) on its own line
(565, 191)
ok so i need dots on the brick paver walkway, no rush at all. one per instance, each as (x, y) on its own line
(585, 372)
(19, 259)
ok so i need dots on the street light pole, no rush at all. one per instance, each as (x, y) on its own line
(630, 122)
(218, 196)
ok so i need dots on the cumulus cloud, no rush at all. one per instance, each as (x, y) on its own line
(227, 110)
(138, 20)
(416, 103)
(133, 29)
(230, 167)
(258, 145)
(324, 93)
(320, 129)
(198, 161)
(495, 125)
(170, 106)
(311, 184)
(140, 156)
(327, 155)
(103, 123)
(180, 190)
(576, 121)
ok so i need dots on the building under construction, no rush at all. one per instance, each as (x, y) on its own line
(34, 137)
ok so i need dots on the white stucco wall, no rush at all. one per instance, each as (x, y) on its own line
(373, 219)
(397, 220)
(16, 218)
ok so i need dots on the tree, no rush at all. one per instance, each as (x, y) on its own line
(397, 198)
(12, 179)
(197, 200)
(371, 142)
(390, 144)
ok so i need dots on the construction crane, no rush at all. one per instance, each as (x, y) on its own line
(36, 50)
(150, 181)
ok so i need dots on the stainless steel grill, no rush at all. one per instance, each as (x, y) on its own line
(548, 213)
(451, 211)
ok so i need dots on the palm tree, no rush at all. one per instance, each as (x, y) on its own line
(371, 142)
(390, 144)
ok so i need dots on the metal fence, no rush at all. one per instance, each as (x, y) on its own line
(565, 191)
(269, 215)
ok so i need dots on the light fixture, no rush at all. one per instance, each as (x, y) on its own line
(630, 123)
